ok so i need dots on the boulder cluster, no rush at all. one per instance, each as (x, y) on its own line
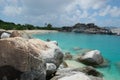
(25, 58)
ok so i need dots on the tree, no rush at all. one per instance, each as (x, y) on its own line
(49, 26)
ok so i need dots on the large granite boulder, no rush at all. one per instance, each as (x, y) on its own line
(73, 74)
(20, 55)
(92, 58)
(28, 56)
(22, 34)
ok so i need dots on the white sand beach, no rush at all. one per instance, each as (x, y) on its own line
(35, 31)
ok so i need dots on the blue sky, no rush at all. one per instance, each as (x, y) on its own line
(61, 12)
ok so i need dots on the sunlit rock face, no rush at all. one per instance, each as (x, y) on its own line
(29, 56)
(92, 58)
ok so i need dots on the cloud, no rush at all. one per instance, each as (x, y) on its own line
(105, 11)
(62, 12)
(12, 10)
(39, 7)
(58, 12)
(113, 11)
(87, 4)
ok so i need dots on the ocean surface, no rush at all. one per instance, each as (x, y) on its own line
(75, 43)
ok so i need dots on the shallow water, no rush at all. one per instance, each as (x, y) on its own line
(109, 45)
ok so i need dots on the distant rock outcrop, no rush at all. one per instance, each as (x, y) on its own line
(89, 28)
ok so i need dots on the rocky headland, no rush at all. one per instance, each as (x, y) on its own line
(25, 58)
(89, 28)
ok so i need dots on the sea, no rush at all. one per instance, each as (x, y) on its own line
(76, 43)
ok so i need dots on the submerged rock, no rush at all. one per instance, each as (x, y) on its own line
(118, 66)
(77, 48)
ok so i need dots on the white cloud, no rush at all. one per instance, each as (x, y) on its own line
(110, 10)
(115, 11)
(12, 10)
(59, 12)
(105, 11)
(94, 4)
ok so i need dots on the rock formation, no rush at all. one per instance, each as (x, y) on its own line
(92, 58)
(29, 57)
(89, 28)
(68, 56)
(73, 74)
(23, 56)
(4, 34)
(22, 34)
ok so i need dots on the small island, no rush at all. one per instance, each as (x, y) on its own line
(89, 28)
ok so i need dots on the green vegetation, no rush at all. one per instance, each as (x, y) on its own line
(13, 26)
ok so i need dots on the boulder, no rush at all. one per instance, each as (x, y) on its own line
(68, 56)
(20, 34)
(73, 74)
(54, 42)
(15, 34)
(51, 68)
(29, 56)
(50, 54)
(92, 58)
(22, 56)
(63, 65)
(89, 70)
(5, 35)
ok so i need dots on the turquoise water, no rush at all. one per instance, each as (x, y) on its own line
(109, 45)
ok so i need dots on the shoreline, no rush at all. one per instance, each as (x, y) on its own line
(31, 32)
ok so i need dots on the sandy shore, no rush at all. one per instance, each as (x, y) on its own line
(35, 31)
